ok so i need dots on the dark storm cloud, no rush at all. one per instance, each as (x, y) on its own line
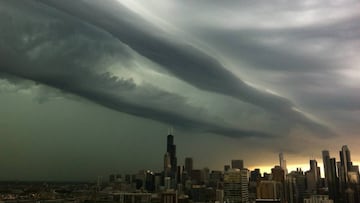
(182, 60)
(82, 84)
(251, 50)
(344, 30)
(57, 53)
(261, 56)
(337, 99)
(287, 56)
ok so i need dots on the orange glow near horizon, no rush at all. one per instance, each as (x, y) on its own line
(267, 169)
(292, 167)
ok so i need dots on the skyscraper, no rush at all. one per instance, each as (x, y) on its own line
(188, 165)
(348, 176)
(278, 175)
(283, 162)
(296, 184)
(237, 164)
(312, 177)
(331, 178)
(171, 149)
(236, 186)
(345, 164)
(167, 164)
(326, 162)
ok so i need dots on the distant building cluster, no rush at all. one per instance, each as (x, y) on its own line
(234, 184)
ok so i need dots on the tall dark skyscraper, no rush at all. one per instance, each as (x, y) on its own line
(167, 164)
(345, 164)
(188, 165)
(171, 149)
(330, 175)
(313, 177)
(237, 164)
(348, 176)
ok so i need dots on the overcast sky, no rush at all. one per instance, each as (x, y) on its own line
(90, 88)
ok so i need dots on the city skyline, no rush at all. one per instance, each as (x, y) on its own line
(183, 183)
(182, 163)
(91, 87)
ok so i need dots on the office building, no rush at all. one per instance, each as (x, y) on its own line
(269, 190)
(278, 174)
(312, 177)
(189, 165)
(331, 179)
(296, 186)
(171, 149)
(215, 178)
(169, 197)
(167, 165)
(236, 186)
(348, 176)
(318, 199)
(282, 162)
(237, 164)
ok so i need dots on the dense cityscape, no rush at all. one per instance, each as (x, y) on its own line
(184, 184)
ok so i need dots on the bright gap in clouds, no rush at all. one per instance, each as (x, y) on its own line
(147, 15)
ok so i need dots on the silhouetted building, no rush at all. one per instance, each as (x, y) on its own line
(255, 175)
(267, 176)
(278, 175)
(179, 174)
(331, 179)
(196, 176)
(150, 181)
(313, 177)
(189, 165)
(345, 164)
(348, 176)
(201, 193)
(269, 190)
(167, 165)
(296, 186)
(226, 168)
(205, 176)
(237, 164)
(171, 149)
(215, 179)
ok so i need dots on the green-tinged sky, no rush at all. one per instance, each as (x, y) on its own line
(89, 88)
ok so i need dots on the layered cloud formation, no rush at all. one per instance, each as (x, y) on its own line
(244, 76)
(85, 47)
